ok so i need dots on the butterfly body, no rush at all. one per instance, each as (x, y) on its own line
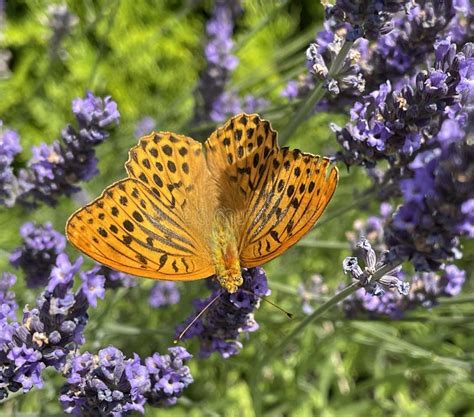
(226, 255)
(189, 211)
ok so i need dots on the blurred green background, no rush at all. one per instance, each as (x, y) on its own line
(149, 56)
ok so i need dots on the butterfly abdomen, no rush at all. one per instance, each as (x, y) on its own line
(226, 253)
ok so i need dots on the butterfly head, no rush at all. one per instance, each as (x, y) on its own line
(230, 282)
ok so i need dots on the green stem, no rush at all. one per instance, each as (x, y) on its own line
(336, 65)
(316, 95)
(301, 114)
(322, 309)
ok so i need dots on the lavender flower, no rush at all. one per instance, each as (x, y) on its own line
(8, 304)
(231, 314)
(419, 130)
(398, 54)
(55, 169)
(368, 18)
(219, 29)
(9, 148)
(164, 293)
(169, 376)
(220, 61)
(394, 125)
(110, 384)
(8, 307)
(214, 102)
(61, 21)
(426, 228)
(99, 386)
(93, 285)
(115, 279)
(320, 59)
(63, 272)
(344, 86)
(27, 369)
(351, 266)
(49, 331)
(145, 126)
(38, 252)
(395, 56)
(425, 290)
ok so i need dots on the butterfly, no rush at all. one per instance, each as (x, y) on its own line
(189, 211)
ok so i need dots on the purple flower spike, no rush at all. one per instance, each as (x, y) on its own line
(216, 103)
(9, 148)
(38, 252)
(93, 112)
(55, 169)
(109, 384)
(452, 280)
(230, 315)
(396, 293)
(8, 304)
(368, 19)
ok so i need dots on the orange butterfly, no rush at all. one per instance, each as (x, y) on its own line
(188, 211)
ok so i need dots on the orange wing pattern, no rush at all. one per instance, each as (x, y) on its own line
(287, 206)
(277, 195)
(160, 222)
(238, 156)
(147, 225)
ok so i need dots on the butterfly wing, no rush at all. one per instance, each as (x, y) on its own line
(147, 224)
(287, 206)
(276, 194)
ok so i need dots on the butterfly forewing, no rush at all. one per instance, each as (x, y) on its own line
(148, 224)
(239, 156)
(171, 165)
(277, 195)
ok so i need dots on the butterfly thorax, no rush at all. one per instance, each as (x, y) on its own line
(226, 253)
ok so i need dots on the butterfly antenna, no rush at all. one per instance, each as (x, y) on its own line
(288, 314)
(195, 319)
(263, 298)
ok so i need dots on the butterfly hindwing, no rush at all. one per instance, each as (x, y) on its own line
(146, 225)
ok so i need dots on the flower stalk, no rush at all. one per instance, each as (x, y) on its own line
(377, 275)
(316, 95)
